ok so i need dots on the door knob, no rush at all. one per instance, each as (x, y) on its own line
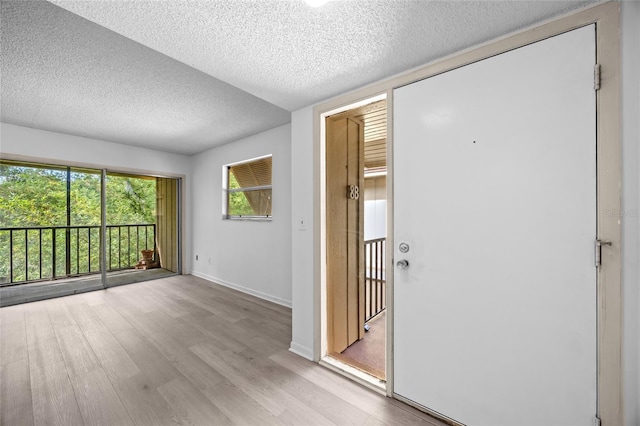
(402, 264)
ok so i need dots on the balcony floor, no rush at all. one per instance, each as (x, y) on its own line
(30, 292)
(368, 354)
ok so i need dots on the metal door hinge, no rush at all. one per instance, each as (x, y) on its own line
(598, 251)
(596, 421)
(596, 77)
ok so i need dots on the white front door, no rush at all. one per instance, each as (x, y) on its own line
(495, 195)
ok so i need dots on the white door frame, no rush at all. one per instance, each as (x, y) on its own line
(320, 339)
(609, 316)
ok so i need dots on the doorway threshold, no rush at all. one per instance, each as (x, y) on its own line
(355, 374)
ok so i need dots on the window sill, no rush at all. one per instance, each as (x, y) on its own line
(248, 219)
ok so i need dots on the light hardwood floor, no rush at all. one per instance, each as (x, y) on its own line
(179, 350)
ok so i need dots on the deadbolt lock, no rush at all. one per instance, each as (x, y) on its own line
(403, 247)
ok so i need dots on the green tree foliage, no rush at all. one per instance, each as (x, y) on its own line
(130, 200)
(85, 198)
(32, 197)
(238, 202)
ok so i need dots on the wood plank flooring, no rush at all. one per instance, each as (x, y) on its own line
(178, 350)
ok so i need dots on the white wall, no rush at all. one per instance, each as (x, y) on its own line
(630, 214)
(375, 219)
(24, 143)
(302, 237)
(251, 256)
(76, 150)
(303, 244)
(375, 207)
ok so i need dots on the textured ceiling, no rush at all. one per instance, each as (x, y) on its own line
(63, 73)
(163, 78)
(293, 55)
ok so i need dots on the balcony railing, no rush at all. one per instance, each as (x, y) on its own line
(375, 278)
(53, 252)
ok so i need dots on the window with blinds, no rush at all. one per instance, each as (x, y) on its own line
(249, 189)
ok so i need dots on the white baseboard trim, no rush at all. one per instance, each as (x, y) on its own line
(261, 295)
(303, 351)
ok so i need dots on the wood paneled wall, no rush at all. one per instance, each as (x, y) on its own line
(167, 223)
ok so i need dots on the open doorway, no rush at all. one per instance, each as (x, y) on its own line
(356, 231)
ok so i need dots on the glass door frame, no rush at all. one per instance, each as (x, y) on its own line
(28, 294)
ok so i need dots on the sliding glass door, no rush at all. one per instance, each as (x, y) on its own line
(61, 233)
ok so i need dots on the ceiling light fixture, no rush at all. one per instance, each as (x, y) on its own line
(316, 3)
